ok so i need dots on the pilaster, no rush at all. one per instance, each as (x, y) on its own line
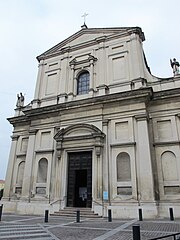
(10, 168)
(102, 61)
(71, 82)
(106, 161)
(38, 84)
(91, 75)
(98, 152)
(26, 187)
(143, 157)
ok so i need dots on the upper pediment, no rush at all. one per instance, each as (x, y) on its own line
(86, 37)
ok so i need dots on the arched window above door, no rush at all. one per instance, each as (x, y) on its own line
(83, 83)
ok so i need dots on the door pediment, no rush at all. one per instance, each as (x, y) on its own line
(78, 131)
(79, 136)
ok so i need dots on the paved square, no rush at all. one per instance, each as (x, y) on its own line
(33, 227)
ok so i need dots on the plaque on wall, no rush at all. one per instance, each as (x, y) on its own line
(105, 195)
(41, 190)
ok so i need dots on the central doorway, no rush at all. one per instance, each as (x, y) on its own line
(79, 191)
(80, 188)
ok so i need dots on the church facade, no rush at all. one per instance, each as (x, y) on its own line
(101, 132)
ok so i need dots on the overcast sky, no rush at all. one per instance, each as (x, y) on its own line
(30, 27)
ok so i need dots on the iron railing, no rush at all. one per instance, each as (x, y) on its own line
(175, 236)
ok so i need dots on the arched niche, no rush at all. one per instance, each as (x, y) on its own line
(42, 170)
(123, 167)
(169, 166)
(20, 173)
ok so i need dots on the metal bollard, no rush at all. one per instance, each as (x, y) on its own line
(46, 215)
(136, 232)
(140, 214)
(109, 215)
(1, 208)
(78, 216)
(171, 214)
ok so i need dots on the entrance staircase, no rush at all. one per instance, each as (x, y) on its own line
(71, 212)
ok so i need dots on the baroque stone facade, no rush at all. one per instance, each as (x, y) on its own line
(101, 131)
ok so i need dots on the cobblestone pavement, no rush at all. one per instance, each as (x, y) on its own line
(23, 227)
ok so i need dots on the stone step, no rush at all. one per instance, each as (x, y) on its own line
(74, 213)
(71, 212)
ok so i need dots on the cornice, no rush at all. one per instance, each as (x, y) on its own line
(138, 95)
(105, 122)
(156, 144)
(166, 94)
(21, 154)
(19, 120)
(14, 137)
(125, 144)
(143, 94)
(142, 117)
(33, 131)
(44, 151)
(89, 59)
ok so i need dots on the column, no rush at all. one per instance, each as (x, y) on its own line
(63, 178)
(58, 172)
(10, 168)
(106, 162)
(99, 172)
(144, 165)
(26, 187)
(57, 180)
(53, 169)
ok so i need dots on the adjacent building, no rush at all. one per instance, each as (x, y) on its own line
(2, 184)
(1, 188)
(101, 132)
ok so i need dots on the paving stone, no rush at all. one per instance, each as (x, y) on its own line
(76, 233)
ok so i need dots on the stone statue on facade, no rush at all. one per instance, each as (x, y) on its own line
(20, 100)
(175, 66)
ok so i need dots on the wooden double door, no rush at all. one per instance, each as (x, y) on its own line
(79, 191)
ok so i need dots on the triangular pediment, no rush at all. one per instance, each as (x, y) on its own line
(84, 37)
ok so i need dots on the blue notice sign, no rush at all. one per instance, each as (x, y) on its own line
(105, 195)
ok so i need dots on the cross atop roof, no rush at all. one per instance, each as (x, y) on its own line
(84, 16)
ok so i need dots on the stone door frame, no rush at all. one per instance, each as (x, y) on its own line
(78, 138)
